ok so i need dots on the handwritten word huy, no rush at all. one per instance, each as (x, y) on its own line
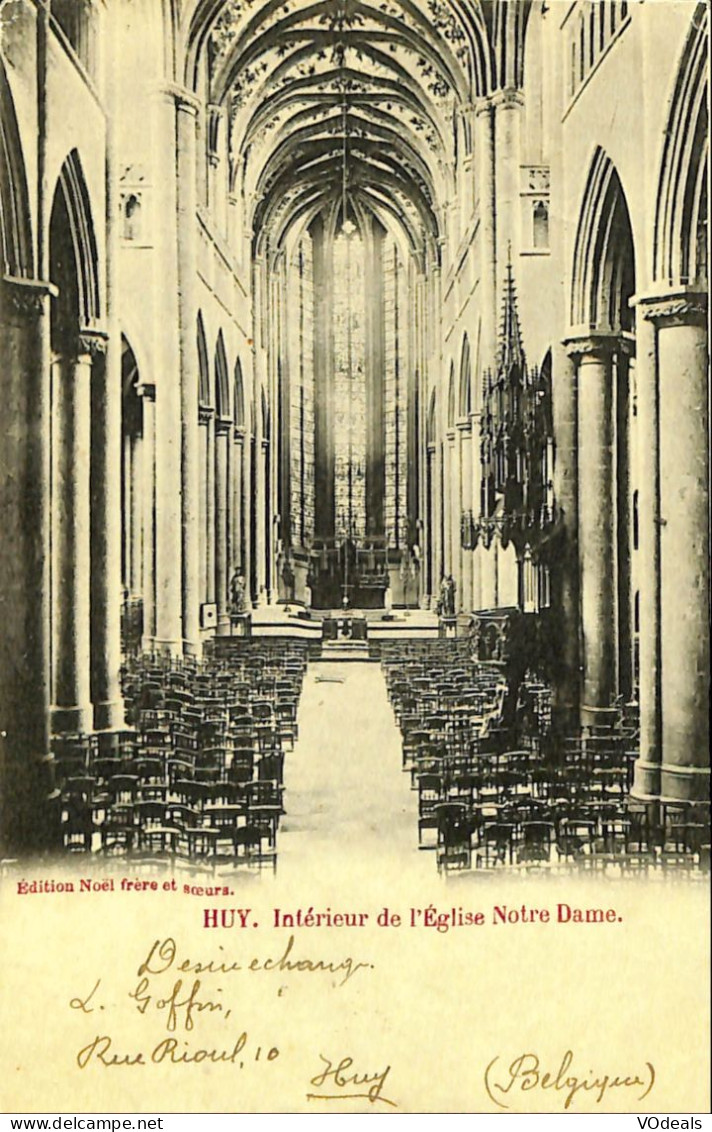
(339, 1080)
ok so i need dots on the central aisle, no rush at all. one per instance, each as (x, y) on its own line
(347, 799)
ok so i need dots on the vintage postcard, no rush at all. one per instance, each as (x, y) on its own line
(354, 637)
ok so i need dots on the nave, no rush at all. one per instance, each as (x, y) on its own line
(349, 305)
(423, 756)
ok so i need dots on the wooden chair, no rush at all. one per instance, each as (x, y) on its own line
(495, 845)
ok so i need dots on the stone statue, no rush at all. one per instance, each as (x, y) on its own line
(451, 591)
(238, 603)
(288, 576)
(443, 599)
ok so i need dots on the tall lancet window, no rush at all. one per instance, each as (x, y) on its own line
(395, 297)
(301, 404)
(349, 308)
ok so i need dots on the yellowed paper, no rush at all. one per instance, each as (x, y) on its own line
(357, 978)
(126, 1001)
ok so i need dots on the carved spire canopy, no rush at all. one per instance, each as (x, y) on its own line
(516, 440)
(511, 350)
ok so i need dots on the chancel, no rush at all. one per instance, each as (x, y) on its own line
(352, 354)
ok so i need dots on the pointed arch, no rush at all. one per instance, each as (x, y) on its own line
(15, 224)
(265, 417)
(603, 279)
(680, 239)
(239, 394)
(451, 398)
(465, 401)
(222, 390)
(431, 425)
(204, 395)
(74, 239)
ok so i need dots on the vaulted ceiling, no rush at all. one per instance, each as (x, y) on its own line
(366, 100)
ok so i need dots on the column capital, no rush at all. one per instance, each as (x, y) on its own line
(205, 414)
(507, 98)
(239, 434)
(146, 390)
(483, 106)
(596, 346)
(464, 426)
(92, 342)
(26, 297)
(183, 98)
(677, 308)
(223, 426)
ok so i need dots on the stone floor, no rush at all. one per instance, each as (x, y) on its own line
(347, 801)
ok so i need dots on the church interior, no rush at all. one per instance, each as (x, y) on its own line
(356, 450)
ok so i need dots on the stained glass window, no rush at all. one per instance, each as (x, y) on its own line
(300, 300)
(395, 393)
(349, 386)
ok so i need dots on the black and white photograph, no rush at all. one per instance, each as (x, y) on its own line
(355, 475)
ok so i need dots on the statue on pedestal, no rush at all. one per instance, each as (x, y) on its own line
(238, 603)
(451, 592)
(446, 602)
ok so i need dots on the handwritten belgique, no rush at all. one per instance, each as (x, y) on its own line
(525, 1074)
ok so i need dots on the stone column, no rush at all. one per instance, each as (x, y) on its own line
(238, 529)
(25, 566)
(565, 570)
(263, 526)
(187, 111)
(430, 547)
(148, 500)
(128, 452)
(204, 414)
(453, 486)
(597, 560)
(247, 496)
(131, 513)
(475, 495)
(106, 589)
(484, 155)
(508, 112)
(684, 544)
(258, 489)
(223, 430)
(169, 405)
(465, 441)
(621, 375)
(136, 531)
(71, 543)
(210, 508)
(646, 782)
(105, 529)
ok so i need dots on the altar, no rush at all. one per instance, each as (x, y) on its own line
(346, 574)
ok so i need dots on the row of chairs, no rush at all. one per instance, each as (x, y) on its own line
(483, 802)
(200, 775)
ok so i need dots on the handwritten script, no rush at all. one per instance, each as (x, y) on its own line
(340, 1081)
(525, 1074)
(179, 994)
